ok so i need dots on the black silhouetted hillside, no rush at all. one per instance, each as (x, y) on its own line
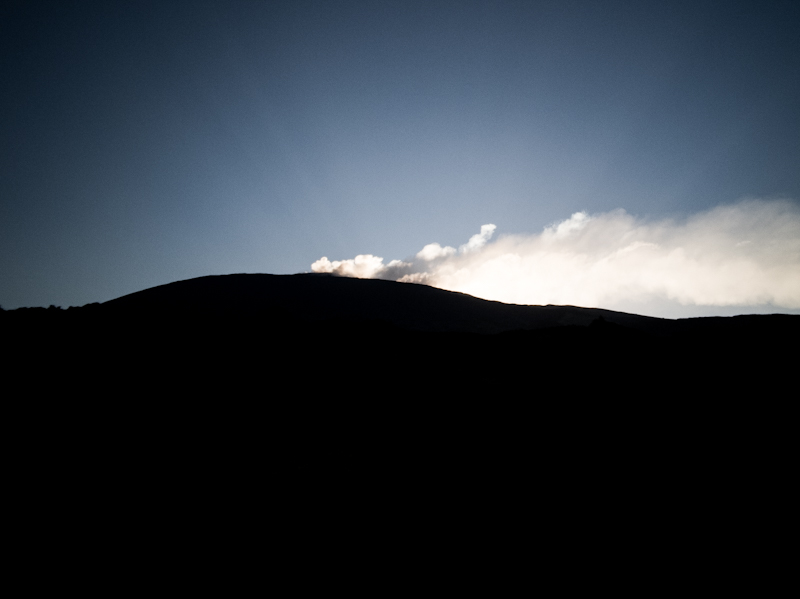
(318, 397)
(315, 297)
(225, 332)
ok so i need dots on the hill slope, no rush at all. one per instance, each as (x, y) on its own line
(225, 332)
(315, 297)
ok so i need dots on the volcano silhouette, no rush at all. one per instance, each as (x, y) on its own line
(324, 297)
(248, 373)
(218, 330)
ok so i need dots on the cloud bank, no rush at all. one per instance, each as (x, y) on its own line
(746, 254)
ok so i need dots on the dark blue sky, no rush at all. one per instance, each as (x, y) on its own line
(147, 142)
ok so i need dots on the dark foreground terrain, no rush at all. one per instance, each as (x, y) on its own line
(248, 416)
(320, 348)
(238, 335)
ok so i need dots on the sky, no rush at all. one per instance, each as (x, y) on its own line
(630, 155)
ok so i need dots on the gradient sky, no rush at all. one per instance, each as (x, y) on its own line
(148, 142)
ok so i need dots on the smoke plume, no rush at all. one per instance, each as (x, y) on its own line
(746, 254)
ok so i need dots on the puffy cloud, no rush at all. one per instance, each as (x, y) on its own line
(432, 251)
(478, 240)
(576, 222)
(363, 266)
(745, 254)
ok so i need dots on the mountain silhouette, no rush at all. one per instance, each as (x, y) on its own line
(322, 297)
(230, 328)
(321, 389)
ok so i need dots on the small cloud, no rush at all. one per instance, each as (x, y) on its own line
(574, 223)
(432, 251)
(478, 240)
(363, 266)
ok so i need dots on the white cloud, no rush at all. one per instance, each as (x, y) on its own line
(432, 251)
(574, 223)
(363, 266)
(745, 254)
(478, 240)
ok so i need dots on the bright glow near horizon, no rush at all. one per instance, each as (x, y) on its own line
(746, 254)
